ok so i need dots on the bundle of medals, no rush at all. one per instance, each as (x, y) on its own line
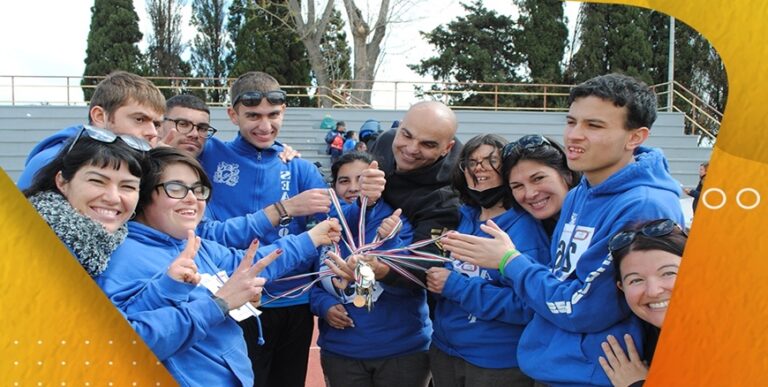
(398, 259)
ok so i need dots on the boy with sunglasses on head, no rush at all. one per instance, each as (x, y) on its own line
(122, 103)
(248, 176)
(574, 298)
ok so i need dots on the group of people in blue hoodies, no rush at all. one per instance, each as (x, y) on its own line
(528, 297)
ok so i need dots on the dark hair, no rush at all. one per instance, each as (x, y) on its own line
(551, 155)
(253, 81)
(673, 243)
(186, 101)
(86, 151)
(157, 161)
(459, 181)
(349, 134)
(340, 123)
(347, 158)
(623, 91)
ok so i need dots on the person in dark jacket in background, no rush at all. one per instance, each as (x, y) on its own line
(696, 192)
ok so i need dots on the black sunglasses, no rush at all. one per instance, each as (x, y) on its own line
(653, 229)
(186, 126)
(528, 142)
(108, 137)
(253, 98)
(177, 190)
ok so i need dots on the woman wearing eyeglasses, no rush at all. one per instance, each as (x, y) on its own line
(187, 326)
(88, 192)
(646, 257)
(478, 321)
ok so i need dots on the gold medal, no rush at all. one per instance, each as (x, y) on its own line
(359, 301)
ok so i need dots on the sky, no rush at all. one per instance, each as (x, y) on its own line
(51, 41)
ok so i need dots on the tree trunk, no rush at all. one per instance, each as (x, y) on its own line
(366, 53)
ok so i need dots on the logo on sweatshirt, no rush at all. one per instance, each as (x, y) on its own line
(227, 173)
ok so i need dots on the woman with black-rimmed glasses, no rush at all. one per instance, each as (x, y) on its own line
(647, 258)
(89, 191)
(178, 291)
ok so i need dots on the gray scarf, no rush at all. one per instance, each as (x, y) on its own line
(91, 243)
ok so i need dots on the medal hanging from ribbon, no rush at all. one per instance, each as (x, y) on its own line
(399, 259)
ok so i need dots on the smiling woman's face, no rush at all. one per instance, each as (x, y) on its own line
(647, 279)
(104, 194)
(174, 216)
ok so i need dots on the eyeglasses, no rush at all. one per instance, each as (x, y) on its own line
(185, 127)
(528, 142)
(177, 190)
(108, 137)
(653, 229)
(253, 98)
(489, 162)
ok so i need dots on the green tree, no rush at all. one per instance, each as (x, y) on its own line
(478, 47)
(264, 42)
(542, 38)
(165, 46)
(612, 39)
(210, 47)
(335, 49)
(112, 42)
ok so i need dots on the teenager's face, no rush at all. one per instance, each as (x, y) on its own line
(259, 125)
(596, 141)
(647, 279)
(538, 188)
(192, 142)
(133, 119)
(483, 164)
(174, 216)
(347, 185)
(106, 195)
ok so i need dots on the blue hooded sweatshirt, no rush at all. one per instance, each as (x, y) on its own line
(180, 322)
(247, 179)
(42, 154)
(478, 318)
(398, 323)
(575, 298)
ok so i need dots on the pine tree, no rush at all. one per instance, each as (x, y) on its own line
(542, 38)
(265, 41)
(478, 47)
(210, 47)
(335, 49)
(612, 39)
(112, 42)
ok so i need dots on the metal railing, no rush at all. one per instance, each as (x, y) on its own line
(700, 117)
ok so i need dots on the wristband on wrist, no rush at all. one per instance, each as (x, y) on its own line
(221, 303)
(505, 259)
(281, 209)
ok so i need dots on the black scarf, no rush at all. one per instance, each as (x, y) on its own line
(91, 243)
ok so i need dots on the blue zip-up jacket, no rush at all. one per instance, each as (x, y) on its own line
(575, 298)
(478, 318)
(397, 325)
(180, 322)
(247, 179)
(42, 154)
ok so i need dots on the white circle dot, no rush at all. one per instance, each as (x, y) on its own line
(157, 363)
(63, 383)
(39, 362)
(87, 362)
(15, 383)
(16, 363)
(110, 383)
(39, 383)
(87, 383)
(16, 342)
(39, 342)
(109, 342)
(63, 362)
(133, 362)
(133, 342)
(109, 362)
(134, 383)
(63, 342)
(87, 342)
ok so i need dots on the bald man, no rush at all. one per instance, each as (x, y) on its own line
(418, 158)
